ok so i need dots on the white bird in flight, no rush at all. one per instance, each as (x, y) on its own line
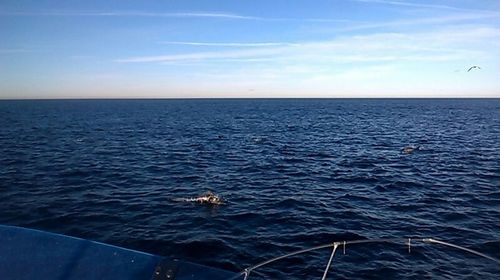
(475, 66)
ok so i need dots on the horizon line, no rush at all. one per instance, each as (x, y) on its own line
(209, 98)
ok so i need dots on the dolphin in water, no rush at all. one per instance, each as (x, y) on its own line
(206, 198)
(410, 149)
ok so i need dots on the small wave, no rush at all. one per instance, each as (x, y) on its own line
(406, 185)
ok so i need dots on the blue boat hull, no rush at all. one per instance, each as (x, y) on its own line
(33, 254)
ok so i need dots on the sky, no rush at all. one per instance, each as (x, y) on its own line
(250, 49)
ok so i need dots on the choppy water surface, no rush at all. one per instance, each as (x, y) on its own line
(296, 173)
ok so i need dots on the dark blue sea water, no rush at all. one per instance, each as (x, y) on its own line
(295, 173)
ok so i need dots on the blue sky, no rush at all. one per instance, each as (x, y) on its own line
(186, 49)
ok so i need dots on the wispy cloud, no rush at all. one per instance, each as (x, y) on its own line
(220, 44)
(9, 51)
(205, 55)
(417, 5)
(195, 14)
(422, 21)
(438, 45)
(130, 14)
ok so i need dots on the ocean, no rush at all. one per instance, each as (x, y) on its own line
(294, 173)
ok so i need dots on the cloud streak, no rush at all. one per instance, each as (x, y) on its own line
(417, 5)
(439, 45)
(11, 51)
(202, 14)
(422, 21)
(131, 14)
(238, 45)
(205, 56)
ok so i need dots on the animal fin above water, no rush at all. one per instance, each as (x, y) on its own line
(206, 198)
(179, 199)
(410, 149)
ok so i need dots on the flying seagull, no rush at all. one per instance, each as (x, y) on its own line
(475, 66)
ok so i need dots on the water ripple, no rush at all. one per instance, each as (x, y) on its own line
(294, 174)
